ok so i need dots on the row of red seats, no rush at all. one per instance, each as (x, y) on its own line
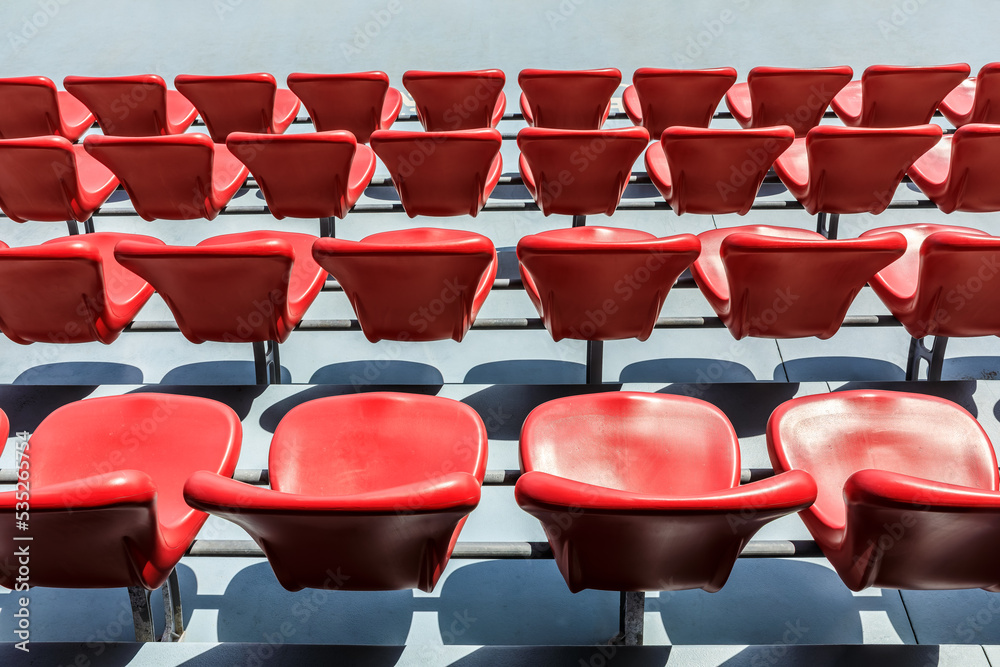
(588, 283)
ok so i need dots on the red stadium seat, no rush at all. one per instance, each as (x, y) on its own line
(642, 491)
(368, 491)
(578, 172)
(179, 177)
(893, 96)
(441, 173)
(778, 282)
(786, 96)
(4, 430)
(133, 106)
(662, 98)
(50, 179)
(30, 106)
(599, 283)
(37, 304)
(311, 175)
(714, 171)
(239, 103)
(962, 172)
(567, 99)
(908, 487)
(975, 100)
(413, 284)
(360, 103)
(457, 100)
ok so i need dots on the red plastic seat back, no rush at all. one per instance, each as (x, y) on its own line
(237, 103)
(975, 168)
(38, 178)
(670, 97)
(897, 96)
(572, 100)
(351, 102)
(29, 107)
(455, 100)
(127, 106)
(986, 108)
(794, 97)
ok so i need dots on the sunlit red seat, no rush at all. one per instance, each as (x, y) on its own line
(714, 171)
(457, 100)
(662, 98)
(368, 491)
(107, 505)
(600, 283)
(786, 96)
(567, 99)
(239, 103)
(778, 282)
(894, 96)
(962, 171)
(908, 487)
(133, 106)
(441, 173)
(413, 284)
(30, 106)
(578, 172)
(178, 177)
(360, 102)
(642, 492)
(975, 100)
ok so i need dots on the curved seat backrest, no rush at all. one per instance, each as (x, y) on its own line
(974, 171)
(572, 99)
(128, 106)
(794, 97)
(455, 100)
(237, 103)
(670, 97)
(986, 108)
(29, 107)
(351, 102)
(38, 179)
(898, 96)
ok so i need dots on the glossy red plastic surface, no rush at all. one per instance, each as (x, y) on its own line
(441, 173)
(309, 175)
(107, 477)
(457, 100)
(50, 179)
(567, 99)
(962, 172)
(600, 283)
(936, 288)
(641, 491)
(714, 171)
(30, 106)
(852, 169)
(239, 103)
(975, 100)
(786, 96)
(244, 287)
(178, 177)
(368, 491)
(907, 487)
(779, 282)
(893, 96)
(360, 102)
(413, 284)
(133, 106)
(578, 172)
(662, 98)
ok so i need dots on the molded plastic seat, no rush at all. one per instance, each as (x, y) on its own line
(360, 102)
(69, 290)
(368, 491)
(441, 173)
(786, 96)
(578, 172)
(975, 100)
(567, 99)
(599, 283)
(936, 288)
(714, 171)
(49, 179)
(908, 494)
(246, 287)
(107, 476)
(778, 282)
(642, 492)
(239, 103)
(962, 172)
(133, 106)
(311, 175)
(893, 96)
(178, 177)
(30, 106)
(852, 169)
(413, 284)
(457, 100)
(662, 98)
